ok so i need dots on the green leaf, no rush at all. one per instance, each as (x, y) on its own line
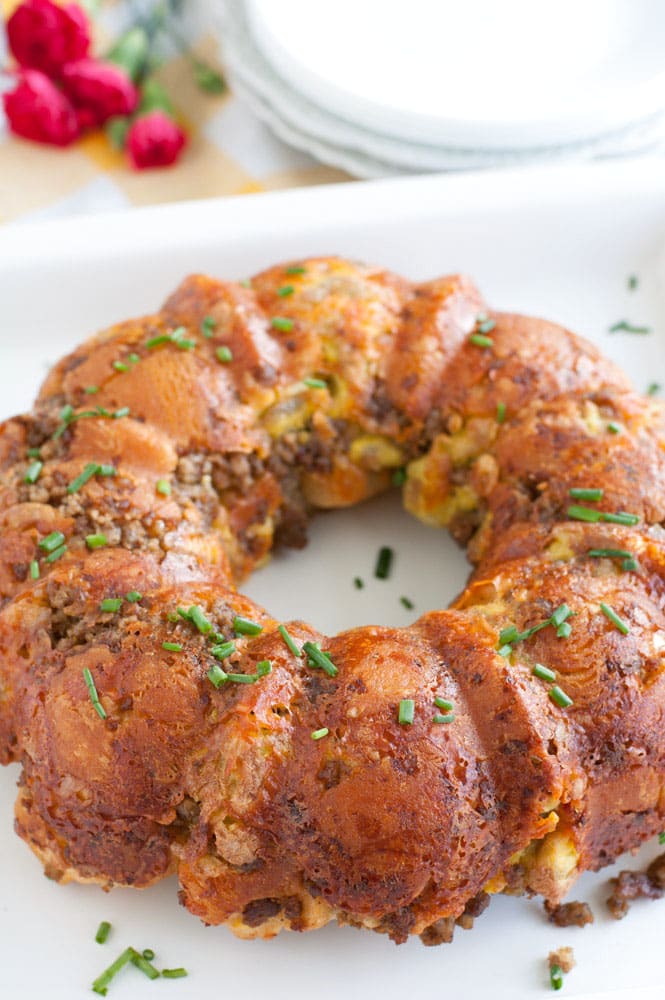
(131, 52)
(116, 131)
(154, 98)
(208, 79)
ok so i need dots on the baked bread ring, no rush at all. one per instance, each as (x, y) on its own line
(387, 778)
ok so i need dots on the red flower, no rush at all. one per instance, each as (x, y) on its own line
(44, 36)
(154, 140)
(100, 88)
(37, 110)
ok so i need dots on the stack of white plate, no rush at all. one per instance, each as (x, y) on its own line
(389, 86)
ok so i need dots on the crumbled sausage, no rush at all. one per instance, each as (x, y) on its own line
(573, 914)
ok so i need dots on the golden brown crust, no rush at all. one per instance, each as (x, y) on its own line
(332, 376)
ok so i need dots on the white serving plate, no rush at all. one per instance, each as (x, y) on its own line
(559, 242)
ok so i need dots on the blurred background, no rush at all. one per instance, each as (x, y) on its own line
(268, 94)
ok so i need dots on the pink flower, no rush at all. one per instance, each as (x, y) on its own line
(44, 36)
(37, 110)
(154, 140)
(100, 88)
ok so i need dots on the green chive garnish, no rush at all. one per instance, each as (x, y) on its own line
(106, 470)
(560, 697)
(34, 453)
(653, 388)
(500, 413)
(96, 541)
(101, 984)
(223, 650)
(53, 556)
(443, 704)
(579, 493)
(289, 641)
(198, 619)
(208, 325)
(319, 659)
(315, 383)
(609, 554)
(133, 596)
(33, 472)
(89, 471)
(620, 518)
(407, 603)
(399, 477)
(172, 647)
(142, 963)
(244, 626)
(122, 412)
(624, 326)
(406, 711)
(358, 583)
(556, 977)
(483, 324)
(216, 675)
(505, 650)
(111, 604)
(577, 513)
(174, 973)
(224, 354)
(509, 634)
(561, 615)
(544, 673)
(564, 631)
(162, 338)
(103, 932)
(163, 486)
(34, 570)
(443, 719)
(480, 340)
(611, 614)
(383, 563)
(246, 283)
(120, 366)
(90, 390)
(294, 269)
(318, 734)
(52, 541)
(630, 565)
(661, 838)
(285, 290)
(632, 282)
(148, 954)
(613, 427)
(281, 323)
(92, 691)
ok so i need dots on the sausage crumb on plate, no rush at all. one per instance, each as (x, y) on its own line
(631, 885)
(573, 914)
(563, 957)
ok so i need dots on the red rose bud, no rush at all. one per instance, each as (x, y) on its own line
(100, 88)
(37, 110)
(154, 140)
(44, 36)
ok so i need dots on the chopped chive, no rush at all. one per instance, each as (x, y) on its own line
(315, 383)
(120, 366)
(216, 675)
(406, 711)
(106, 470)
(653, 388)
(92, 691)
(544, 673)
(91, 390)
(184, 613)
(179, 339)
(103, 932)
(281, 323)
(561, 615)
(142, 963)
(580, 493)
(172, 647)
(52, 541)
(34, 452)
(485, 325)
(611, 614)
(613, 427)
(198, 619)
(162, 338)
(34, 570)
(500, 413)
(163, 486)
(224, 354)
(358, 583)
(223, 650)
(509, 634)
(480, 340)
(294, 269)
(319, 659)
(556, 977)
(111, 604)
(505, 651)
(148, 954)
(67, 412)
(560, 697)
(263, 668)
(609, 554)
(318, 734)
(289, 641)
(133, 596)
(630, 565)
(33, 472)
(443, 719)
(632, 282)
(56, 554)
(621, 517)
(133, 358)
(245, 626)
(407, 603)
(174, 973)
(96, 541)
(624, 326)
(444, 704)
(245, 283)
(383, 563)
(122, 412)
(208, 325)
(661, 838)
(577, 513)
(242, 678)
(102, 982)
(399, 477)
(564, 631)
(285, 290)
(89, 471)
